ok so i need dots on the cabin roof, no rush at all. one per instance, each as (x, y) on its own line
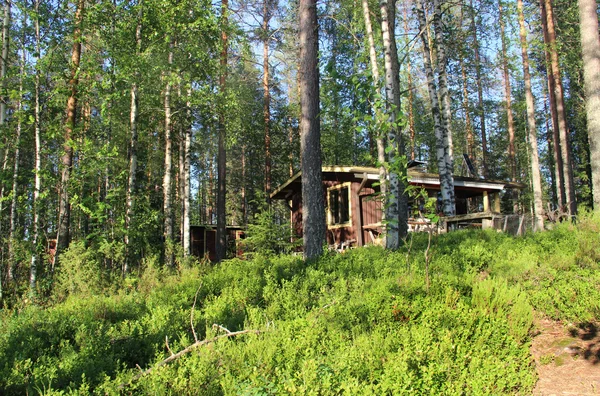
(358, 173)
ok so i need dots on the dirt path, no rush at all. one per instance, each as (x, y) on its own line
(567, 359)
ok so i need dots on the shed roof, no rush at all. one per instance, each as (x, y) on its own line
(356, 173)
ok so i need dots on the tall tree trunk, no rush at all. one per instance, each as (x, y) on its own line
(565, 147)
(558, 163)
(243, 192)
(4, 63)
(446, 177)
(221, 156)
(375, 72)
(551, 159)
(480, 106)
(186, 174)
(267, 99)
(313, 205)
(411, 116)
(507, 96)
(15, 175)
(167, 183)
(590, 47)
(64, 217)
(536, 179)
(38, 158)
(470, 139)
(396, 200)
(133, 126)
(443, 87)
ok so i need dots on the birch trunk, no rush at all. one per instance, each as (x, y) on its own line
(38, 158)
(313, 206)
(536, 179)
(186, 175)
(4, 63)
(221, 157)
(64, 217)
(396, 201)
(446, 178)
(590, 45)
(133, 142)
(15, 175)
(565, 147)
(167, 182)
(443, 88)
(375, 72)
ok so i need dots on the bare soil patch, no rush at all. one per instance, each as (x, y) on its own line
(567, 358)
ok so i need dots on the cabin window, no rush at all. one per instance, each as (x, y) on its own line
(338, 198)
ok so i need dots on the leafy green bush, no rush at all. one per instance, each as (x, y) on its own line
(361, 322)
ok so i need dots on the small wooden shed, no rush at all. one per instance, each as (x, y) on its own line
(203, 240)
(354, 207)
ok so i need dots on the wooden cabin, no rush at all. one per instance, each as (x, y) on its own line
(354, 208)
(203, 241)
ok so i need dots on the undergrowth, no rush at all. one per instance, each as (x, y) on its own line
(360, 322)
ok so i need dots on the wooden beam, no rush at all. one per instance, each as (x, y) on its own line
(358, 223)
(362, 184)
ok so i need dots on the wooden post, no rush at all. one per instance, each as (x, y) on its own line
(486, 202)
(496, 202)
(358, 223)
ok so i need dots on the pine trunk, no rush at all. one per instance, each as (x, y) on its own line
(590, 46)
(480, 107)
(266, 101)
(313, 206)
(64, 217)
(411, 116)
(221, 156)
(507, 96)
(565, 147)
(559, 176)
(536, 179)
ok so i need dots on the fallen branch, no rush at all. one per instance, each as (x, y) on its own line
(190, 348)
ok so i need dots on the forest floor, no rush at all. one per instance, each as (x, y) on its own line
(567, 358)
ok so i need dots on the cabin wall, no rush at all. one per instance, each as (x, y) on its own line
(372, 213)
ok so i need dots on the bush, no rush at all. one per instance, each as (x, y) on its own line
(361, 322)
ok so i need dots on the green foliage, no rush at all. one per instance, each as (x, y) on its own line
(359, 322)
(267, 236)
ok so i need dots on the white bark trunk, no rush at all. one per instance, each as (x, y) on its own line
(396, 203)
(442, 149)
(167, 183)
(38, 158)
